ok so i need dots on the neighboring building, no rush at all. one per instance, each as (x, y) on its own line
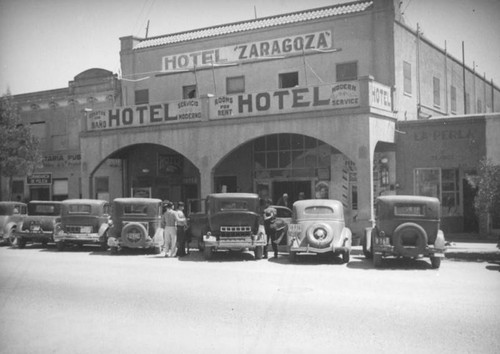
(55, 117)
(310, 102)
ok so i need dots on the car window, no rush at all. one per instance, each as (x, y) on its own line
(318, 210)
(44, 209)
(79, 209)
(283, 213)
(233, 205)
(135, 209)
(409, 210)
(107, 209)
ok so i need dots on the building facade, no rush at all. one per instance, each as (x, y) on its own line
(311, 102)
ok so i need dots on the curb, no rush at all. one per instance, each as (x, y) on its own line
(473, 255)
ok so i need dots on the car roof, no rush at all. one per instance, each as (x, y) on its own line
(233, 195)
(44, 202)
(84, 201)
(136, 200)
(318, 202)
(407, 199)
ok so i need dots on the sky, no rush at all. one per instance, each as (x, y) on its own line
(44, 44)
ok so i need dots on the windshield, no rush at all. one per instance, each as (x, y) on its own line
(233, 205)
(44, 209)
(79, 208)
(135, 209)
(318, 210)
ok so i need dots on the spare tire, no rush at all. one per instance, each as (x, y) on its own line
(409, 240)
(133, 233)
(319, 235)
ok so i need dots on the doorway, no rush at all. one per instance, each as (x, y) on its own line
(292, 188)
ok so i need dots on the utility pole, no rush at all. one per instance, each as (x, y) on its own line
(147, 29)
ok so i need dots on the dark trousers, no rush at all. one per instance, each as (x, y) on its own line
(181, 241)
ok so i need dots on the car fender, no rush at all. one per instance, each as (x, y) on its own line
(440, 241)
(103, 228)
(10, 226)
(158, 238)
(346, 237)
(367, 238)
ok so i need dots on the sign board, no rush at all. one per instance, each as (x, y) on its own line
(380, 96)
(39, 178)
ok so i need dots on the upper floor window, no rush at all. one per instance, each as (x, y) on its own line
(142, 96)
(347, 71)
(407, 77)
(235, 84)
(436, 86)
(453, 94)
(189, 92)
(288, 80)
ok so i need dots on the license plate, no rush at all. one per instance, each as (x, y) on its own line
(294, 229)
(85, 229)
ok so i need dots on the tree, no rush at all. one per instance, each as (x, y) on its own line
(19, 150)
(487, 185)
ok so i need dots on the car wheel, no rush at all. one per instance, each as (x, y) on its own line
(201, 245)
(208, 252)
(11, 238)
(319, 235)
(21, 243)
(44, 244)
(292, 256)
(377, 260)
(346, 257)
(409, 240)
(435, 262)
(258, 252)
(60, 246)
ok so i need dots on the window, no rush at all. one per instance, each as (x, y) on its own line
(188, 92)
(437, 93)
(453, 93)
(407, 77)
(347, 71)
(38, 130)
(235, 85)
(288, 80)
(409, 210)
(439, 183)
(142, 97)
(60, 189)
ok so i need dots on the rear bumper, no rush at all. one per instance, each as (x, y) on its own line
(314, 250)
(78, 238)
(148, 243)
(35, 236)
(389, 250)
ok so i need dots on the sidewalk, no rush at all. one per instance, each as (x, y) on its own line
(469, 247)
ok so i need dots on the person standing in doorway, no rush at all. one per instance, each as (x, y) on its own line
(169, 224)
(181, 230)
(284, 200)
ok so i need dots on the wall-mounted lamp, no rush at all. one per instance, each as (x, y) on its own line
(145, 170)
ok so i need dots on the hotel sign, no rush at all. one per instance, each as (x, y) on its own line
(380, 96)
(338, 95)
(136, 116)
(250, 51)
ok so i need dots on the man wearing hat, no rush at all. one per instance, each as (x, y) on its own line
(275, 230)
(181, 230)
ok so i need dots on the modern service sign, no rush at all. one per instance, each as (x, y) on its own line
(338, 95)
(136, 116)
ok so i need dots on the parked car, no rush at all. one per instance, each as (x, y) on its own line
(11, 218)
(405, 226)
(231, 222)
(318, 226)
(39, 225)
(83, 221)
(136, 224)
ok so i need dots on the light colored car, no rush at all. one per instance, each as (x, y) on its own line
(11, 219)
(318, 226)
(83, 222)
(136, 224)
(39, 225)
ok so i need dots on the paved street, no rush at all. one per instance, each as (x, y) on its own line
(86, 301)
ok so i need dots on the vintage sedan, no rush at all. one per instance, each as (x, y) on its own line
(11, 219)
(318, 226)
(406, 226)
(136, 224)
(39, 225)
(231, 222)
(83, 222)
